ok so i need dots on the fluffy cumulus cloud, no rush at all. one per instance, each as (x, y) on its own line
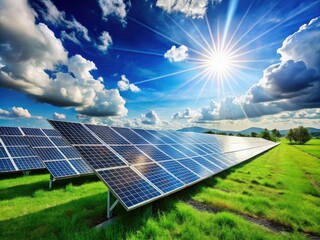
(114, 7)
(59, 116)
(290, 85)
(16, 112)
(30, 51)
(191, 8)
(106, 41)
(150, 118)
(125, 85)
(58, 18)
(186, 114)
(177, 54)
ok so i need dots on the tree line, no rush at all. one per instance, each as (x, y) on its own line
(299, 135)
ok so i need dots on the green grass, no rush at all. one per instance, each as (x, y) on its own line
(281, 186)
(312, 147)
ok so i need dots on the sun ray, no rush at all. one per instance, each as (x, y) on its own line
(202, 37)
(187, 34)
(136, 51)
(169, 74)
(231, 10)
(211, 35)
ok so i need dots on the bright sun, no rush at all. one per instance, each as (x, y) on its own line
(219, 62)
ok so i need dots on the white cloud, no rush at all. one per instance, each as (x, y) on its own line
(113, 7)
(191, 8)
(177, 54)
(59, 116)
(150, 118)
(125, 85)
(42, 53)
(106, 41)
(54, 16)
(16, 112)
(186, 114)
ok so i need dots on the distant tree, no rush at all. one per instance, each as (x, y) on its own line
(254, 134)
(230, 134)
(299, 135)
(276, 134)
(210, 132)
(222, 133)
(289, 135)
(265, 134)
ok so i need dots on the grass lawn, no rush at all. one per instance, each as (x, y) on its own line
(280, 188)
(312, 147)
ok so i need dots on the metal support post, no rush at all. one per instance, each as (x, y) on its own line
(109, 206)
(51, 181)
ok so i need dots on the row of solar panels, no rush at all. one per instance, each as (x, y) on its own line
(140, 166)
(24, 149)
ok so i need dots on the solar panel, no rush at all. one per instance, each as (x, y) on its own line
(15, 152)
(59, 157)
(129, 186)
(139, 166)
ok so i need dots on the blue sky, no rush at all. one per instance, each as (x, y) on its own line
(161, 64)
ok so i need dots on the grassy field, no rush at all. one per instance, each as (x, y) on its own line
(312, 147)
(274, 196)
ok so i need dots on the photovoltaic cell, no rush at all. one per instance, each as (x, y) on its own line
(148, 136)
(185, 150)
(26, 163)
(173, 153)
(75, 133)
(131, 136)
(51, 132)
(39, 141)
(107, 134)
(180, 171)
(131, 154)
(14, 141)
(7, 131)
(128, 186)
(207, 164)
(60, 169)
(70, 152)
(6, 165)
(195, 167)
(49, 154)
(159, 177)
(20, 151)
(153, 152)
(58, 141)
(32, 131)
(99, 157)
(3, 153)
(81, 166)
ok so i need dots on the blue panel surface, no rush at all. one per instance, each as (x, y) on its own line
(81, 166)
(32, 131)
(107, 135)
(70, 152)
(26, 163)
(39, 141)
(59, 141)
(195, 167)
(185, 150)
(148, 136)
(173, 153)
(3, 153)
(14, 141)
(51, 132)
(130, 135)
(131, 154)
(6, 165)
(48, 154)
(99, 157)
(207, 164)
(159, 177)
(20, 151)
(7, 131)
(154, 153)
(180, 172)
(60, 169)
(128, 186)
(75, 133)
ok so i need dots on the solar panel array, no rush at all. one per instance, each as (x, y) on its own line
(15, 152)
(35, 148)
(140, 166)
